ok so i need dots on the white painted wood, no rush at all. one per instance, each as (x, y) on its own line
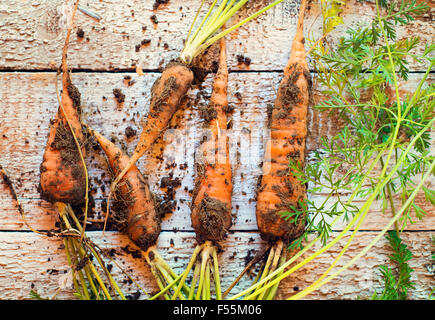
(32, 33)
(30, 261)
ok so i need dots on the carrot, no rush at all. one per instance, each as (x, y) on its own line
(211, 202)
(166, 94)
(279, 190)
(63, 177)
(137, 216)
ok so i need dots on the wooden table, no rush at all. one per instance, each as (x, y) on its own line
(104, 58)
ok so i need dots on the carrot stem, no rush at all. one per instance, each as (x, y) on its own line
(216, 275)
(187, 270)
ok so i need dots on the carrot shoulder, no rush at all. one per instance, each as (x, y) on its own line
(279, 190)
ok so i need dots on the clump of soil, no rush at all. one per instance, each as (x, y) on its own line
(80, 33)
(211, 217)
(205, 63)
(130, 132)
(241, 59)
(158, 3)
(75, 96)
(166, 204)
(207, 112)
(119, 96)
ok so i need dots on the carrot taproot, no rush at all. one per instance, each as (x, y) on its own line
(62, 174)
(211, 202)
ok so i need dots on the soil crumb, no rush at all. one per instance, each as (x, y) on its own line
(154, 19)
(158, 3)
(119, 96)
(80, 33)
(130, 132)
(241, 59)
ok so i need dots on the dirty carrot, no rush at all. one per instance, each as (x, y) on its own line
(137, 212)
(63, 177)
(64, 181)
(211, 202)
(177, 77)
(279, 190)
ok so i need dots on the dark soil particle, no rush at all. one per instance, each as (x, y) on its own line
(158, 3)
(207, 112)
(130, 132)
(80, 33)
(154, 19)
(142, 44)
(119, 96)
(134, 296)
(133, 252)
(243, 60)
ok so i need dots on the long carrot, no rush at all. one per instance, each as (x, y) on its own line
(211, 202)
(63, 177)
(137, 214)
(279, 190)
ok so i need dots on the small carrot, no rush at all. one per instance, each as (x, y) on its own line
(139, 217)
(137, 214)
(211, 202)
(166, 94)
(63, 177)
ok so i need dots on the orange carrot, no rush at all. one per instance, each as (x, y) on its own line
(62, 176)
(166, 95)
(279, 190)
(138, 215)
(211, 202)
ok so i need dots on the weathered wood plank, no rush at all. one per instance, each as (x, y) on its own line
(32, 33)
(25, 125)
(31, 261)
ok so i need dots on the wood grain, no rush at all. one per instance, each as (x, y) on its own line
(30, 261)
(32, 32)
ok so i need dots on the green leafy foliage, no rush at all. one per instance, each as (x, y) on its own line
(396, 283)
(359, 77)
(331, 10)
